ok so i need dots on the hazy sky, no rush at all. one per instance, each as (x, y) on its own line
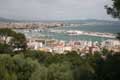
(54, 9)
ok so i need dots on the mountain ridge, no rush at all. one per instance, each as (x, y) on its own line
(2, 19)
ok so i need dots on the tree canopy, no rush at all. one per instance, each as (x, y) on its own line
(10, 40)
(114, 10)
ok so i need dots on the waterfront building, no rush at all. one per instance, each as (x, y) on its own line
(33, 44)
(80, 46)
(111, 45)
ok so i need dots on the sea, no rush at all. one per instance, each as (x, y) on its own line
(88, 26)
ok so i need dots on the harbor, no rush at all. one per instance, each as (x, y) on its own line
(59, 37)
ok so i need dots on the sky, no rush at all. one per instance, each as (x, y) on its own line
(54, 9)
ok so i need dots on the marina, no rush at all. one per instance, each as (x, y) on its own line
(94, 32)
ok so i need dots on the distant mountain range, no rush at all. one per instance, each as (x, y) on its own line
(67, 21)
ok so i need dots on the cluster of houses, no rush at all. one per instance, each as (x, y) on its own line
(81, 46)
(61, 47)
(29, 25)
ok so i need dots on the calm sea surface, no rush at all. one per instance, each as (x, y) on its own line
(102, 27)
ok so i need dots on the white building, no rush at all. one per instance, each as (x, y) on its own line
(35, 45)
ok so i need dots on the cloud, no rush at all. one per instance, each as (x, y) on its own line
(53, 9)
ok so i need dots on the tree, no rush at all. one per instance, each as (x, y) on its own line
(7, 68)
(19, 41)
(5, 34)
(118, 36)
(24, 67)
(60, 72)
(108, 69)
(4, 48)
(114, 10)
(40, 74)
(17, 67)
(12, 39)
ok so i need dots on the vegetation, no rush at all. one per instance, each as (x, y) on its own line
(35, 65)
(70, 66)
(9, 40)
(118, 36)
(114, 10)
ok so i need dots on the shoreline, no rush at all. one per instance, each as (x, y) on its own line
(88, 33)
(97, 34)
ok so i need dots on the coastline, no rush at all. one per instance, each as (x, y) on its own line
(78, 32)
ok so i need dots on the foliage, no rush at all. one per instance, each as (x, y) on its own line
(114, 10)
(59, 72)
(40, 74)
(4, 48)
(108, 69)
(35, 65)
(11, 40)
(17, 67)
(118, 36)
